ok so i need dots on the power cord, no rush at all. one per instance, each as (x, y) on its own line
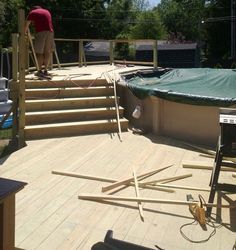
(195, 222)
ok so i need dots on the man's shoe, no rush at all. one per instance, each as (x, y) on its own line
(40, 74)
(46, 73)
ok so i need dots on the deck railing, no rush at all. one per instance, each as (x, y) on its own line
(82, 60)
(21, 65)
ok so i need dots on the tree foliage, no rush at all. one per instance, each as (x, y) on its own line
(8, 19)
(218, 27)
(182, 17)
(148, 26)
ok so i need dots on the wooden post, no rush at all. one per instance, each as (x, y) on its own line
(8, 189)
(14, 85)
(80, 53)
(111, 53)
(155, 54)
(27, 54)
(21, 21)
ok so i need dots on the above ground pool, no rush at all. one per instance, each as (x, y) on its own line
(197, 86)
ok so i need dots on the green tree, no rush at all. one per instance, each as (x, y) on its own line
(119, 15)
(182, 17)
(8, 20)
(147, 26)
(218, 31)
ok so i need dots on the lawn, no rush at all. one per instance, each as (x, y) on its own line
(5, 136)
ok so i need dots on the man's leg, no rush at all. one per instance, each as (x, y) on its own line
(47, 56)
(48, 48)
(40, 59)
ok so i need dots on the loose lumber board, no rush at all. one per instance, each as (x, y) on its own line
(203, 165)
(183, 187)
(204, 150)
(169, 179)
(229, 159)
(99, 197)
(140, 207)
(127, 181)
(104, 179)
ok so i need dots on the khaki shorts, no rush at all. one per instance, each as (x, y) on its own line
(44, 42)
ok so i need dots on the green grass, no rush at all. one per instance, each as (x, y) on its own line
(5, 137)
(5, 134)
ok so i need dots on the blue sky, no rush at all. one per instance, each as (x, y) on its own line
(154, 2)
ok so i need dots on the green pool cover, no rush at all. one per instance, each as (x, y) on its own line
(198, 86)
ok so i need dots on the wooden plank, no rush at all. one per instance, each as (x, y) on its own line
(7, 230)
(182, 187)
(169, 179)
(204, 150)
(99, 197)
(126, 181)
(224, 158)
(98, 178)
(203, 165)
(33, 51)
(21, 20)
(83, 176)
(140, 207)
(13, 84)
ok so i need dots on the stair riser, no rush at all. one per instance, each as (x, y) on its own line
(66, 83)
(71, 117)
(84, 129)
(68, 93)
(69, 104)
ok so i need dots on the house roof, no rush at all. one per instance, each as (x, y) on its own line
(102, 48)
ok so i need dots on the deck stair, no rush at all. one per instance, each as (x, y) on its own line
(66, 108)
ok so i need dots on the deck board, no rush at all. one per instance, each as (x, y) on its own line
(49, 214)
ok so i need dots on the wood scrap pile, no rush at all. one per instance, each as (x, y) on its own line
(137, 181)
(206, 165)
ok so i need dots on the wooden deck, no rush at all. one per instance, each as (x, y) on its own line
(74, 73)
(49, 214)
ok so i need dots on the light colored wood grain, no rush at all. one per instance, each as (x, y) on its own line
(168, 179)
(140, 207)
(230, 159)
(204, 165)
(183, 187)
(144, 199)
(202, 149)
(104, 179)
(50, 216)
(127, 181)
(132, 199)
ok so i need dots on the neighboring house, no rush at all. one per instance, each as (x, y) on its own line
(97, 51)
(170, 55)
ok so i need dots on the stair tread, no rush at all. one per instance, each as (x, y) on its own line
(69, 99)
(68, 88)
(70, 111)
(64, 124)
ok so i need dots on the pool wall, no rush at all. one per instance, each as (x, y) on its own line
(191, 123)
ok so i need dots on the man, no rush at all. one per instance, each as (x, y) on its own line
(44, 37)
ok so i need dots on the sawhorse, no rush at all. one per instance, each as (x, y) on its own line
(226, 148)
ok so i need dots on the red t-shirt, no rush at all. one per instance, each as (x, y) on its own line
(42, 20)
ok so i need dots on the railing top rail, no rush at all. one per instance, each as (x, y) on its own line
(105, 40)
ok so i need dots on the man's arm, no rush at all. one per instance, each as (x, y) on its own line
(27, 23)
